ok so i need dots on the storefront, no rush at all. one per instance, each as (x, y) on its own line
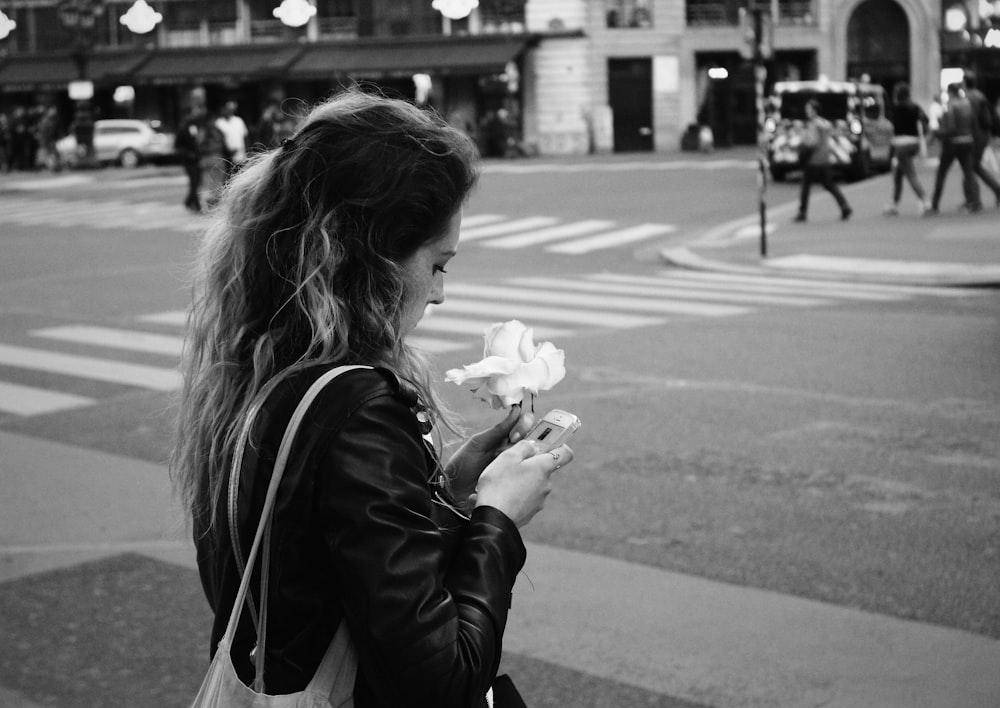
(467, 79)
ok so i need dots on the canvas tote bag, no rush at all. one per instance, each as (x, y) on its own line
(332, 686)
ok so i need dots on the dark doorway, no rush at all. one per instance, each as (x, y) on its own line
(630, 93)
(878, 43)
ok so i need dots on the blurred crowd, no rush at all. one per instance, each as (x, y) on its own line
(28, 138)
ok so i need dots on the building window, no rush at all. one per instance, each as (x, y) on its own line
(628, 13)
(795, 12)
(501, 15)
(713, 13)
(338, 19)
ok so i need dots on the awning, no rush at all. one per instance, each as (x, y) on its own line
(209, 64)
(465, 55)
(56, 71)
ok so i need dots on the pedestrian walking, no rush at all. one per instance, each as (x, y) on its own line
(326, 252)
(5, 138)
(815, 158)
(48, 132)
(188, 144)
(910, 124)
(235, 135)
(983, 129)
(956, 145)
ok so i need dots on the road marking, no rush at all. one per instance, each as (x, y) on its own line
(128, 339)
(507, 227)
(861, 291)
(760, 284)
(602, 302)
(142, 216)
(668, 289)
(28, 400)
(151, 377)
(474, 220)
(435, 322)
(433, 345)
(553, 233)
(174, 318)
(614, 238)
(531, 312)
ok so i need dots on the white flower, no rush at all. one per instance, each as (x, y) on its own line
(511, 366)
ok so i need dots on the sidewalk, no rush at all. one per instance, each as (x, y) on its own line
(99, 598)
(953, 248)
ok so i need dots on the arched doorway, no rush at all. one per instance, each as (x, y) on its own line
(878, 43)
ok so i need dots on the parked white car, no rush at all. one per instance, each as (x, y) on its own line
(122, 141)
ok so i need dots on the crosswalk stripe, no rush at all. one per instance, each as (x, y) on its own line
(173, 318)
(435, 322)
(667, 290)
(839, 285)
(469, 222)
(433, 345)
(85, 367)
(14, 208)
(751, 284)
(553, 233)
(507, 227)
(143, 216)
(613, 238)
(28, 400)
(604, 302)
(132, 340)
(532, 312)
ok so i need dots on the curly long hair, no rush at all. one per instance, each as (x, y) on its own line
(301, 265)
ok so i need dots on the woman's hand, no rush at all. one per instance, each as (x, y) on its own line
(520, 479)
(469, 461)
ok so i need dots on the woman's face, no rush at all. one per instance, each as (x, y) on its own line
(423, 273)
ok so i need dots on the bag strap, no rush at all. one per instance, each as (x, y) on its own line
(264, 527)
(234, 479)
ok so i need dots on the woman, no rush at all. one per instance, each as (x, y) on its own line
(326, 252)
(910, 124)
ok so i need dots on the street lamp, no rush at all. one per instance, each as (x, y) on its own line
(294, 13)
(141, 18)
(455, 9)
(80, 16)
(7, 25)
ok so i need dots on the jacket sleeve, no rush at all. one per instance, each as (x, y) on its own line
(427, 624)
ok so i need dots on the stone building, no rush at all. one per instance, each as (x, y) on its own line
(537, 76)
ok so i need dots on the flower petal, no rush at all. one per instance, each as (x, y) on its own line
(555, 360)
(526, 347)
(504, 339)
(481, 370)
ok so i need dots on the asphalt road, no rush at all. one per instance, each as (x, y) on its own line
(832, 443)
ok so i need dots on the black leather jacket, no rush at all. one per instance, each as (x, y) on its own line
(358, 535)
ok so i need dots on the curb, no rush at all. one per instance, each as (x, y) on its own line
(829, 268)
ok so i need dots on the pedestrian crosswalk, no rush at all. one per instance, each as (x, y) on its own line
(98, 215)
(495, 231)
(566, 237)
(45, 367)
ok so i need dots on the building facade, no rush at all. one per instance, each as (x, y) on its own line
(553, 76)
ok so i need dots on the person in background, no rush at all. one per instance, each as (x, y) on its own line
(235, 135)
(4, 143)
(48, 132)
(983, 129)
(909, 122)
(956, 138)
(934, 113)
(189, 142)
(325, 252)
(816, 162)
